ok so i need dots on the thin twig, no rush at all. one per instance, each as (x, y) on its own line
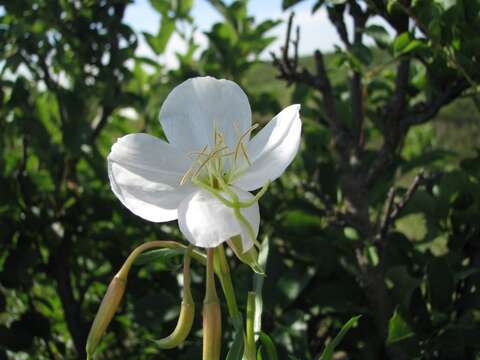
(388, 210)
(393, 209)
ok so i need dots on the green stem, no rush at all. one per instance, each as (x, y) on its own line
(187, 292)
(250, 349)
(223, 272)
(200, 257)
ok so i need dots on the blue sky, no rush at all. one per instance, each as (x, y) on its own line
(316, 31)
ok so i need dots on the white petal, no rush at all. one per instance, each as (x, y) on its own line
(207, 222)
(272, 149)
(199, 106)
(145, 175)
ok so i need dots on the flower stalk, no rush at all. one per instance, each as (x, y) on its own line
(212, 317)
(223, 272)
(250, 349)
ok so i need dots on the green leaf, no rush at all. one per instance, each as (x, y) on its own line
(404, 44)
(391, 6)
(159, 42)
(413, 45)
(330, 348)
(183, 8)
(401, 42)
(159, 255)
(317, 6)
(289, 3)
(362, 53)
(379, 34)
(351, 233)
(161, 6)
(267, 351)
(236, 351)
(398, 329)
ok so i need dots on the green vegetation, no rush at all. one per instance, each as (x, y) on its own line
(378, 215)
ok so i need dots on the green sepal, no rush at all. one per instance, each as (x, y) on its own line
(249, 257)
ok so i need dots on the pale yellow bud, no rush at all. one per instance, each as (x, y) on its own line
(187, 311)
(105, 313)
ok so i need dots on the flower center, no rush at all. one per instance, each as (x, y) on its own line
(217, 166)
(213, 170)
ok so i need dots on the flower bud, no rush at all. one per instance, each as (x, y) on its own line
(184, 325)
(249, 257)
(105, 313)
(187, 311)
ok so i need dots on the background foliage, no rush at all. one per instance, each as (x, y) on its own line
(379, 215)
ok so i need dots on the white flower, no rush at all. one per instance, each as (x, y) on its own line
(203, 175)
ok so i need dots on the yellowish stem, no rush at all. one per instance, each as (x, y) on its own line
(212, 316)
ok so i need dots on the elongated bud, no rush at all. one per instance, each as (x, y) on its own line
(249, 257)
(187, 311)
(115, 292)
(105, 313)
(212, 316)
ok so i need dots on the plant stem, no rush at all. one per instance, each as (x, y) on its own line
(156, 244)
(212, 317)
(250, 349)
(211, 292)
(223, 272)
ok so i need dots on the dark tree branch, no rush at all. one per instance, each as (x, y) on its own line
(290, 71)
(398, 22)
(394, 209)
(293, 73)
(325, 87)
(424, 112)
(398, 207)
(288, 67)
(107, 109)
(396, 108)
(394, 130)
(335, 14)
(388, 210)
(356, 88)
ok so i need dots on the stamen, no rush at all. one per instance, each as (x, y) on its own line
(240, 145)
(209, 157)
(214, 160)
(184, 178)
(197, 153)
(244, 152)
